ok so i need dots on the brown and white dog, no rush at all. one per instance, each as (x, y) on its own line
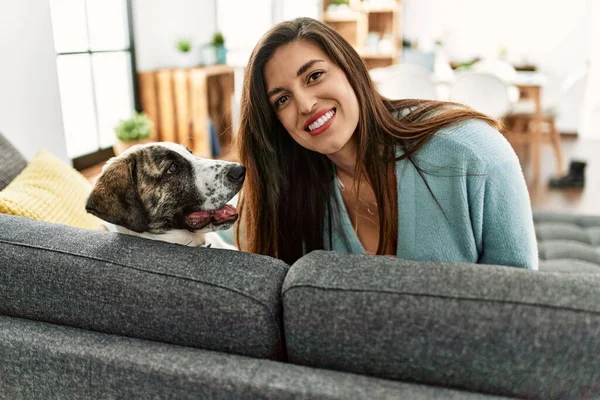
(162, 191)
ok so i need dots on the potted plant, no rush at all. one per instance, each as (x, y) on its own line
(338, 6)
(218, 43)
(186, 56)
(135, 130)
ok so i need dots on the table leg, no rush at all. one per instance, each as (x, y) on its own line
(536, 132)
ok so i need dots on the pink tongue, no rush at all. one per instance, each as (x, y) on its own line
(224, 213)
(199, 217)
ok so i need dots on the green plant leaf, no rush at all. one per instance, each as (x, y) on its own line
(135, 128)
(184, 45)
(218, 39)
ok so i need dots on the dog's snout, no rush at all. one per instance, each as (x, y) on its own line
(236, 173)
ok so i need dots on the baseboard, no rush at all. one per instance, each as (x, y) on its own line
(569, 135)
(89, 160)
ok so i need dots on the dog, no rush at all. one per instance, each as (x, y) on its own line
(162, 191)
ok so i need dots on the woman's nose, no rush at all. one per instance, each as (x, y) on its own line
(306, 103)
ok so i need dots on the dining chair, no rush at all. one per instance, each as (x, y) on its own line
(482, 91)
(405, 81)
(503, 70)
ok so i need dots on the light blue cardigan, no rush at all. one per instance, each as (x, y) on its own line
(477, 179)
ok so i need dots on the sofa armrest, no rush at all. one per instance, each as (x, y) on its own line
(489, 329)
(199, 297)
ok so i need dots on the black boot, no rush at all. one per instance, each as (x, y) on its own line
(574, 179)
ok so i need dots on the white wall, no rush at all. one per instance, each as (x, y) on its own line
(30, 111)
(590, 118)
(550, 34)
(159, 24)
(243, 23)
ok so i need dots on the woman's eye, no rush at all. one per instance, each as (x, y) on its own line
(172, 169)
(188, 149)
(314, 76)
(281, 101)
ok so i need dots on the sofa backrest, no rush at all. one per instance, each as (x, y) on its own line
(12, 162)
(490, 329)
(199, 297)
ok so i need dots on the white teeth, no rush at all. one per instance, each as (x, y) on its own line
(318, 123)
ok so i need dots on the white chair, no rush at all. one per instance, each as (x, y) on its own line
(381, 74)
(503, 70)
(444, 75)
(405, 81)
(569, 96)
(482, 91)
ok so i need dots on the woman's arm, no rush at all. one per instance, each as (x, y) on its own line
(508, 233)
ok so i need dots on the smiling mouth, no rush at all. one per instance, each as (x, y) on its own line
(200, 219)
(322, 123)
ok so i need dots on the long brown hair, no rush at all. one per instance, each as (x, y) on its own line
(286, 200)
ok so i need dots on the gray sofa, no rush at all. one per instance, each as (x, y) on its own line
(90, 315)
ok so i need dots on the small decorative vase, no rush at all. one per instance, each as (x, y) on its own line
(209, 55)
(221, 54)
(186, 60)
(120, 146)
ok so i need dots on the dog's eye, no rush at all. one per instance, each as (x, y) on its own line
(172, 169)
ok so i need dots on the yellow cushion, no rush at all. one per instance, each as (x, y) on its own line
(49, 190)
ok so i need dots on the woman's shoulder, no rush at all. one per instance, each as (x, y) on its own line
(471, 141)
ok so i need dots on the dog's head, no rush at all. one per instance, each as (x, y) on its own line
(158, 187)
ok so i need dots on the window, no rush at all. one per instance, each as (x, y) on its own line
(95, 62)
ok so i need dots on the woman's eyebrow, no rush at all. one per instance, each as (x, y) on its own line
(306, 66)
(300, 71)
(274, 91)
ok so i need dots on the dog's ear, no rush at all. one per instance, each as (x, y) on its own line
(115, 197)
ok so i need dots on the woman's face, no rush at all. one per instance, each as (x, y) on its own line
(311, 97)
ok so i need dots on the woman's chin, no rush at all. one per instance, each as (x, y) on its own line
(329, 149)
(335, 146)
(327, 143)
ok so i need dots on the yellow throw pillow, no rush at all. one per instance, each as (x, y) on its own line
(49, 190)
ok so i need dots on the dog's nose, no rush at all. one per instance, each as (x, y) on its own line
(236, 173)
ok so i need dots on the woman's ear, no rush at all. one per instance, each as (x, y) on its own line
(115, 197)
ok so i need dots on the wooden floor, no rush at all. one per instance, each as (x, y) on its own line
(92, 173)
(578, 201)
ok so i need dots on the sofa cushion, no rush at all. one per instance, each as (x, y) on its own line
(49, 190)
(491, 329)
(52, 362)
(200, 297)
(567, 242)
(12, 162)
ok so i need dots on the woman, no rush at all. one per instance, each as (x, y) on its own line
(334, 165)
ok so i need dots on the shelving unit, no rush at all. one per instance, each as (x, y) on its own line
(181, 102)
(372, 27)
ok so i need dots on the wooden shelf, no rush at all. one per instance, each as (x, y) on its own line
(374, 9)
(360, 20)
(379, 56)
(182, 102)
(341, 17)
